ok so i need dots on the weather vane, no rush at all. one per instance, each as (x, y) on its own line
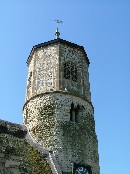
(57, 31)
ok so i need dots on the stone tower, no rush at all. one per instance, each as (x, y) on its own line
(58, 109)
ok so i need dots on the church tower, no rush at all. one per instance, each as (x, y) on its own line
(58, 110)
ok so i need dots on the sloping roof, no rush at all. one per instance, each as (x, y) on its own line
(12, 129)
(57, 41)
(15, 141)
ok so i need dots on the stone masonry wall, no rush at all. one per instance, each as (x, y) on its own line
(46, 71)
(76, 56)
(43, 71)
(58, 109)
(48, 118)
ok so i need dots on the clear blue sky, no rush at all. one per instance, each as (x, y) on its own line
(103, 28)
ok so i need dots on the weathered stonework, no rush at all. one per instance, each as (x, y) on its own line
(43, 71)
(48, 118)
(82, 86)
(58, 109)
(46, 71)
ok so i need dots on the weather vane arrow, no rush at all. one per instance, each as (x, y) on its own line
(58, 21)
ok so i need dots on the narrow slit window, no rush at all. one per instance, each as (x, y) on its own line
(29, 80)
(74, 113)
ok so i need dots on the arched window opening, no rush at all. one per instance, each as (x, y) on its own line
(77, 109)
(74, 113)
(72, 117)
(70, 71)
(29, 80)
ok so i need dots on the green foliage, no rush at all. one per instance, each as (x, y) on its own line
(31, 160)
(47, 110)
(74, 136)
(37, 164)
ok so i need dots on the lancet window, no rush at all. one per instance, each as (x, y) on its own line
(74, 113)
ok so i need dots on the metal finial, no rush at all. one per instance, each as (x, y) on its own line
(57, 31)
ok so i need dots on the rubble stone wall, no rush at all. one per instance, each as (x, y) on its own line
(76, 56)
(48, 118)
(46, 71)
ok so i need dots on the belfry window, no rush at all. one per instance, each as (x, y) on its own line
(74, 113)
(70, 71)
